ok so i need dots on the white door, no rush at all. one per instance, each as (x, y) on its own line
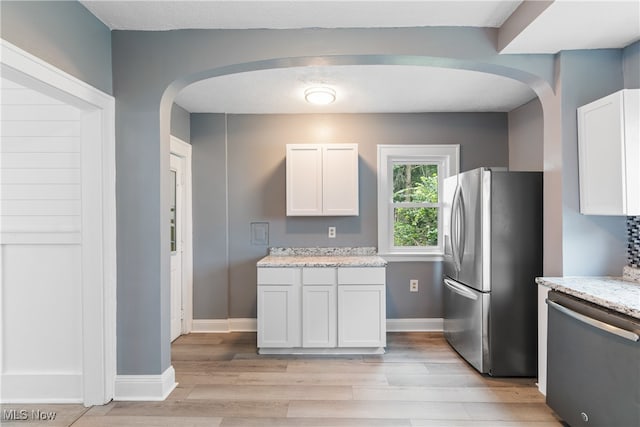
(41, 245)
(177, 223)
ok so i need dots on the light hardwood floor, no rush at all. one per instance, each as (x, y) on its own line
(420, 381)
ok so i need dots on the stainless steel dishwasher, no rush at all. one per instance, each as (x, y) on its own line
(593, 362)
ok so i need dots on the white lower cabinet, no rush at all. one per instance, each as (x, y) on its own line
(362, 307)
(319, 317)
(279, 307)
(362, 320)
(543, 292)
(336, 308)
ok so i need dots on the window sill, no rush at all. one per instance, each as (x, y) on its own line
(399, 257)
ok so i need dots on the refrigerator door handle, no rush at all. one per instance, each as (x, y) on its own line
(460, 290)
(454, 229)
(623, 333)
(463, 228)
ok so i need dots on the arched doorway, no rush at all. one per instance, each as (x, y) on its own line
(396, 61)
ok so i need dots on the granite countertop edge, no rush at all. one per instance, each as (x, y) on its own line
(613, 293)
(322, 257)
(272, 261)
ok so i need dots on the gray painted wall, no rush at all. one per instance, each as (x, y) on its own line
(63, 33)
(593, 245)
(631, 66)
(526, 137)
(180, 123)
(210, 228)
(256, 192)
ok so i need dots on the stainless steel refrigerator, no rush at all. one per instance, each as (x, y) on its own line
(493, 252)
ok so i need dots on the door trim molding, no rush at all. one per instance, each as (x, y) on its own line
(184, 150)
(98, 206)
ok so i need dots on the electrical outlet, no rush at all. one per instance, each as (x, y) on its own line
(332, 232)
(413, 285)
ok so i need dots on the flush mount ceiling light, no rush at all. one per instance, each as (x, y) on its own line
(320, 95)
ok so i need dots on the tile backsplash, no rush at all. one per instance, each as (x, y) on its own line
(633, 243)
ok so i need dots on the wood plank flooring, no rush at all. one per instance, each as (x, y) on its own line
(223, 382)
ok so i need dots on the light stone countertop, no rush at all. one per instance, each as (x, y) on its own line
(610, 292)
(322, 257)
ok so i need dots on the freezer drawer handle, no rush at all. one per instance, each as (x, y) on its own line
(460, 290)
(623, 333)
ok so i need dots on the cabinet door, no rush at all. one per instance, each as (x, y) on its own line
(319, 312)
(322, 179)
(340, 179)
(304, 179)
(609, 155)
(601, 154)
(319, 316)
(279, 316)
(361, 316)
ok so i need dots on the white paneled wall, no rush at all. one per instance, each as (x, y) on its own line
(41, 256)
(40, 163)
(39, 293)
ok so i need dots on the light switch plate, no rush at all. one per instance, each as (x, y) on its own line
(260, 233)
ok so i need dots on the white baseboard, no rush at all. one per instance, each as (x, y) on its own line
(41, 388)
(243, 325)
(224, 325)
(251, 325)
(210, 325)
(145, 387)
(322, 351)
(415, 325)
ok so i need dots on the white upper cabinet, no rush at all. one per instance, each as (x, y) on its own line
(340, 179)
(322, 179)
(609, 154)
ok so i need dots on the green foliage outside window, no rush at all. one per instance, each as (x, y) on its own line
(415, 226)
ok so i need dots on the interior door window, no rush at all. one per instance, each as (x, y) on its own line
(172, 215)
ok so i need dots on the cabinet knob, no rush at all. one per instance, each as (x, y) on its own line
(585, 417)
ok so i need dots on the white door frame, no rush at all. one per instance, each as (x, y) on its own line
(98, 213)
(183, 150)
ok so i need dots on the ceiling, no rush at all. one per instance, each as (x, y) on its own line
(540, 27)
(240, 14)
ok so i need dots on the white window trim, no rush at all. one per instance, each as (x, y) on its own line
(447, 157)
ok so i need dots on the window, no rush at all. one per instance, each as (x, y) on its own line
(410, 204)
